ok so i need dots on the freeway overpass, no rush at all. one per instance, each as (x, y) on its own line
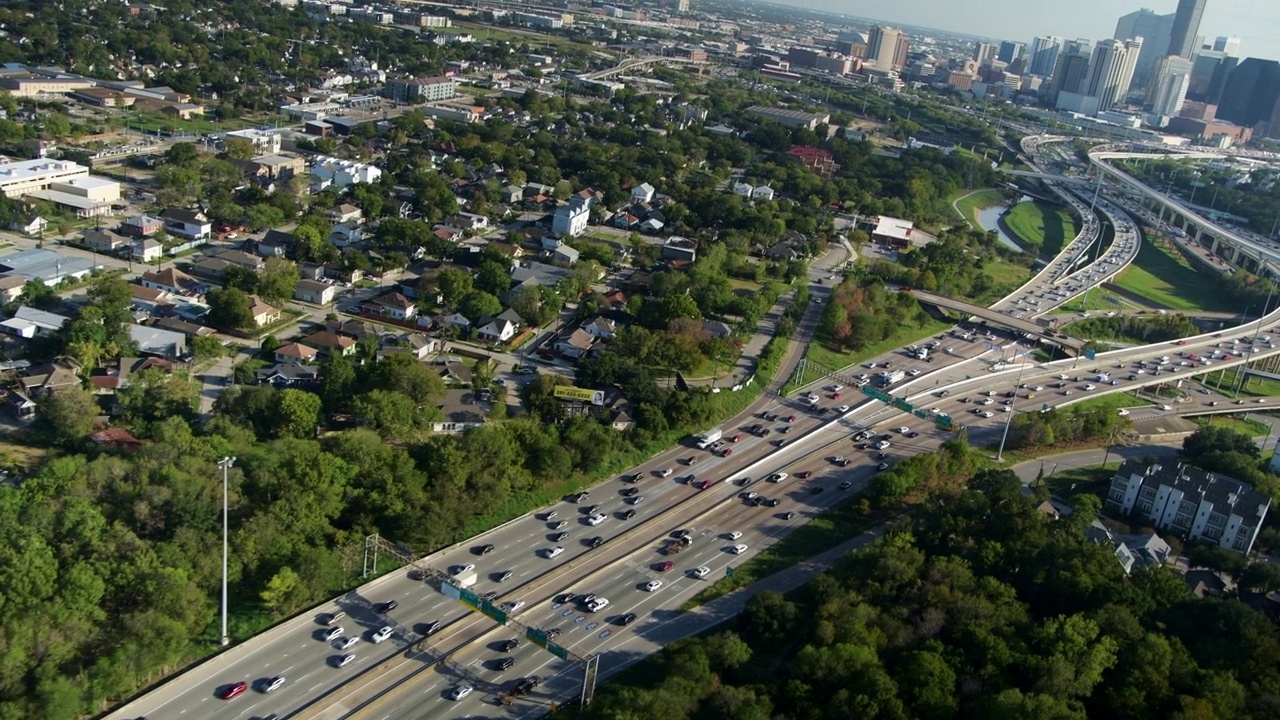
(635, 64)
(1261, 257)
(1030, 327)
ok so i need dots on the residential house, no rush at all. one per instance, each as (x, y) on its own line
(447, 234)
(345, 235)
(139, 226)
(746, 190)
(458, 321)
(295, 354)
(276, 244)
(21, 404)
(263, 314)
(510, 195)
(577, 344)
(460, 411)
(116, 438)
(314, 292)
(149, 300)
(153, 340)
(762, 192)
(358, 329)
(537, 274)
(30, 226)
(331, 344)
(716, 329)
(189, 224)
(393, 305)
(1142, 551)
(419, 345)
(310, 271)
(345, 213)
(571, 219)
(454, 372)
(173, 281)
(651, 226)
(470, 222)
(1193, 503)
(146, 250)
(498, 330)
(189, 330)
(642, 193)
(564, 255)
(625, 220)
(601, 327)
(11, 287)
(104, 241)
(678, 248)
(243, 259)
(51, 377)
(284, 375)
(28, 322)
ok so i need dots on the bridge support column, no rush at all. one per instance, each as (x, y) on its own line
(1198, 235)
(1159, 207)
(1235, 254)
(1213, 247)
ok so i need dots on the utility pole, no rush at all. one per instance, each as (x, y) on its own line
(1012, 402)
(225, 463)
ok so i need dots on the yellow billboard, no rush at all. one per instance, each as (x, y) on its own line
(569, 392)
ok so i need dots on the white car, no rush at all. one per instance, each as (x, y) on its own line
(552, 552)
(346, 660)
(596, 519)
(986, 401)
(665, 473)
(700, 572)
(904, 430)
(882, 444)
(738, 549)
(734, 535)
(382, 634)
(837, 387)
(913, 372)
(597, 604)
(347, 643)
(513, 606)
(988, 414)
(463, 569)
(274, 683)
(1091, 386)
(459, 692)
(1123, 412)
(843, 409)
(777, 477)
(652, 585)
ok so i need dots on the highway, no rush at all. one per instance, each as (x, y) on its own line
(389, 677)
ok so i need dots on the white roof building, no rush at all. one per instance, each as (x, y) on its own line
(339, 173)
(27, 176)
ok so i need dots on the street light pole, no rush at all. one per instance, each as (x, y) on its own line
(225, 463)
(1012, 402)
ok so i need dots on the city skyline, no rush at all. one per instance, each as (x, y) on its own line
(1256, 23)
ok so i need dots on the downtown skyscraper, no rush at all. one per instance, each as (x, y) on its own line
(1111, 71)
(1186, 23)
(1043, 54)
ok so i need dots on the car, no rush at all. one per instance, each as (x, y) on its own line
(490, 596)
(726, 452)
(463, 569)
(382, 634)
(904, 430)
(596, 519)
(333, 617)
(1090, 386)
(882, 466)
(700, 572)
(506, 575)
(804, 475)
(233, 690)
(883, 444)
(913, 434)
(346, 660)
(738, 549)
(626, 619)
(837, 459)
(652, 585)
(552, 633)
(559, 537)
(346, 643)
(486, 549)
(748, 495)
(628, 492)
(733, 535)
(1123, 412)
(816, 489)
(704, 484)
(790, 418)
(459, 692)
(627, 514)
(513, 606)
(837, 387)
(273, 684)
(579, 496)
(635, 500)
(528, 684)
(842, 409)
(597, 604)
(665, 472)
(846, 485)
(777, 477)
(550, 516)
(552, 552)
(834, 396)
(504, 664)
(434, 626)
(987, 414)
(633, 478)
(560, 525)
(788, 515)
(333, 633)
(591, 509)
(771, 502)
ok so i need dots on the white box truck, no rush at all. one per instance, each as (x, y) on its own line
(708, 437)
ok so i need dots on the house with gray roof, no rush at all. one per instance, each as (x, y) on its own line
(1191, 502)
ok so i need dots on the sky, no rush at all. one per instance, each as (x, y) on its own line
(1255, 22)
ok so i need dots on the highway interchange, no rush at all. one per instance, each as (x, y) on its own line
(402, 678)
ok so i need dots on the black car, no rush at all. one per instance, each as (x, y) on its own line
(486, 549)
(509, 645)
(559, 536)
(591, 510)
(626, 514)
(596, 541)
(913, 434)
(526, 685)
(386, 607)
(490, 596)
(565, 597)
(629, 492)
(505, 576)
(816, 490)
(579, 497)
(625, 620)
(788, 515)
(505, 663)
(772, 502)
(553, 633)
(845, 462)
(432, 628)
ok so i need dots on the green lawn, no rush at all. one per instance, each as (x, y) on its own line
(1248, 426)
(1225, 381)
(1007, 277)
(1109, 403)
(1043, 225)
(1104, 300)
(1166, 278)
(969, 204)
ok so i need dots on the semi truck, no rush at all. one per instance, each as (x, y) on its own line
(707, 438)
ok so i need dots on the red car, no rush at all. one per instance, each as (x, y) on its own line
(233, 690)
(792, 418)
(804, 475)
(736, 438)
(1182, 342)
(726, 452)
(835, 396)
(664, 566)
(704, 484)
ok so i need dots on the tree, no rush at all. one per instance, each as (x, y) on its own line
(182, 153)
(277, 280)
(230, 308)
(479, 304)
(207, 348)
(239, 149)
(492, 278)
(297, 413)
(153, 395)
(37, 294)
(454, 284)
(391, 414)
(281, 594)
(67, 416)
(1219, 438)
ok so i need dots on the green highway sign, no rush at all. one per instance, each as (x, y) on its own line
(489, 609)
(729, 571)
(539, 638)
